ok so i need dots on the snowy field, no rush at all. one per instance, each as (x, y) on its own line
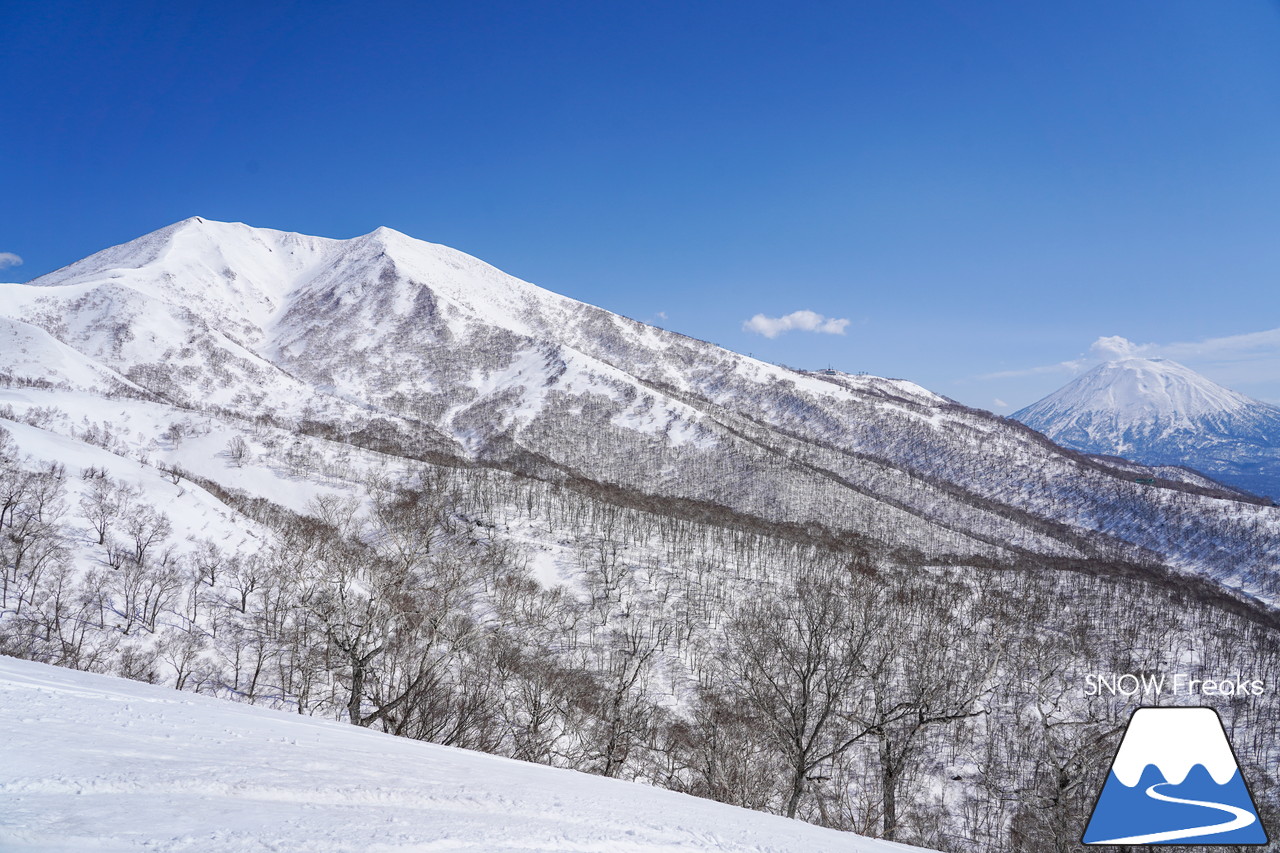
(94, 763)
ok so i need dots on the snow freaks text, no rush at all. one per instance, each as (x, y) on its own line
(1160, 684)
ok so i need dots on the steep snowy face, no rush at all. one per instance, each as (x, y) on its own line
(1159, 412)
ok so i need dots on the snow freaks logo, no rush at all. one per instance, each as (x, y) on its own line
(1175, 780)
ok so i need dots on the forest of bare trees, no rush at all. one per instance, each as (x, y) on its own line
(831, 682)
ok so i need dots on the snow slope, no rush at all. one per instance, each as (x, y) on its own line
(1158, 412)
(93, 763)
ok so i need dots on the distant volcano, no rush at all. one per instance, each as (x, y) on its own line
(1158, 412)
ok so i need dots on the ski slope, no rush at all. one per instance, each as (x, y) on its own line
(93, 763)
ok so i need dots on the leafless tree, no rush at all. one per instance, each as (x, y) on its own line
(798, 659)
(237, 450)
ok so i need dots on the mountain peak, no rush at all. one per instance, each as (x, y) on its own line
(1159, 412)
(1140, 390)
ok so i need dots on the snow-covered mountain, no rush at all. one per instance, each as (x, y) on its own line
(1158, 412)
(377, 480)
(387, 341)
(99, 763)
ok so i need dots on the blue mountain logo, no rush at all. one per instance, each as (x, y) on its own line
(1175, 780)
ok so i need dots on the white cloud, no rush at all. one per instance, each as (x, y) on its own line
(1114, 347)
(1234, 349)
(1073, 366)
(805, 321)
(1000, 404)
(1249, 361)
(1246, 347)
(662, 315)
(1265, 344)
(9, 259)
(1249, 357)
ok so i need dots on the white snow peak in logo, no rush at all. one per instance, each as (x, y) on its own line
(1175, 780)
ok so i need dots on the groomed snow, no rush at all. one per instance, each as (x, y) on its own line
(94, 763)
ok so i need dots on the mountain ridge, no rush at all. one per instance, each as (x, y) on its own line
(423, 347)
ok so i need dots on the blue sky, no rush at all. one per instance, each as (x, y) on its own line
(983, 191)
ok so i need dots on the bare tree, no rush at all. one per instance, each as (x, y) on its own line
(798, 660)
(103, 504)
(174, 434)
(237, 450)
(924, 680)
